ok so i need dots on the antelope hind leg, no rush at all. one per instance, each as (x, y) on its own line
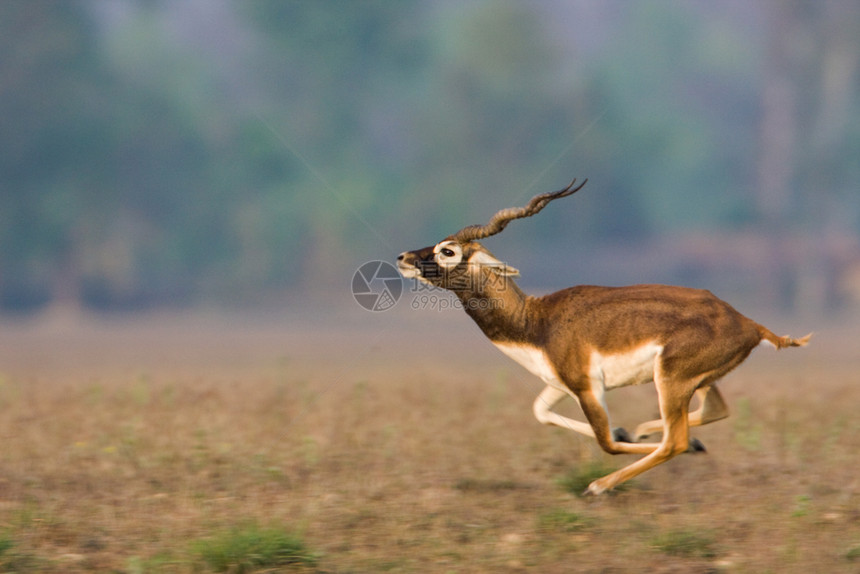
(712, 407)
(674, 411)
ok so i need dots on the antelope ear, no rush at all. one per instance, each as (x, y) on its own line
(482, 258)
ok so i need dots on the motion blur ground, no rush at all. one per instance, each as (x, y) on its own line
(125, 442)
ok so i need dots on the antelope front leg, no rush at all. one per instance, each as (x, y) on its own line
(598, 417)
(551, 396)
(542, 409)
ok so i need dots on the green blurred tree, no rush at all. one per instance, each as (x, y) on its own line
(53, 197)
(141, 165)
(680, 111)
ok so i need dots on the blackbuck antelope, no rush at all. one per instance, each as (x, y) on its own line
(586, 340)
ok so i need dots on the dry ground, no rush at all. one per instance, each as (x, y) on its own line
(389, 444)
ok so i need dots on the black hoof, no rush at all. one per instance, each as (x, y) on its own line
(696, 446)
(621, 435)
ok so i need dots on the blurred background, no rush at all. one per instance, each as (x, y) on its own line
(206, 153)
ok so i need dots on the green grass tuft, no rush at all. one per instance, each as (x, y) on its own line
(686, 542)
(250, 548)
(14, 561)
(853, 554)
(578, 479)
(560, 520)
(5, 545)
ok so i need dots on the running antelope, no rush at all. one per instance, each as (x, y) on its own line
(586, 340)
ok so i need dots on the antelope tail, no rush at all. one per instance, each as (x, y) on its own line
(783, 342)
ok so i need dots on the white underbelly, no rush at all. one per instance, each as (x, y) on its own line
(632, 367)
(613, 370)
(534, 360)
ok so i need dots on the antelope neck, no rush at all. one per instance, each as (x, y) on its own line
(501, 311)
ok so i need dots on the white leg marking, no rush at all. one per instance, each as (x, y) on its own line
(537, 363)
(543, 404)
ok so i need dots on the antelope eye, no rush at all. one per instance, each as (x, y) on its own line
(447, 252)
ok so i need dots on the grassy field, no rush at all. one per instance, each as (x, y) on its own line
(400, 443)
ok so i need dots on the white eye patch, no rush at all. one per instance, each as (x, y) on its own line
(448, 254)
